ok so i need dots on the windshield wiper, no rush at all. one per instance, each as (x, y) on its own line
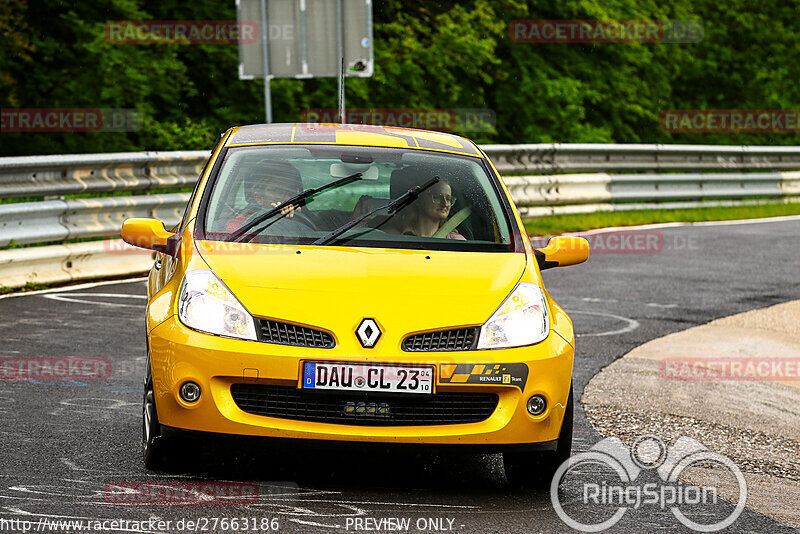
(298, 200)
(394, 206)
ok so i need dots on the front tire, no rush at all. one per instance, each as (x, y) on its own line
(536, 469)
(154, 445)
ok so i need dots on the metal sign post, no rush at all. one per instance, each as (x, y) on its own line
(341, 94)
(265, 54)
(340, 57)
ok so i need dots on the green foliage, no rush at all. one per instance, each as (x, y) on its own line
(15, 47)
(29, 286)
(428, 54)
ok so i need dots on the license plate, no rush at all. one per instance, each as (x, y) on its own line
(367, 377)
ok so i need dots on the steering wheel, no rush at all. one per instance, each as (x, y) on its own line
(303, 218)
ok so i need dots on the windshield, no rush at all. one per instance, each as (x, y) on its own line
(456, 208)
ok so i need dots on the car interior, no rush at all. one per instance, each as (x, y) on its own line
(472, 216)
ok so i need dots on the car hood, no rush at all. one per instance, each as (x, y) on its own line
(336, 287)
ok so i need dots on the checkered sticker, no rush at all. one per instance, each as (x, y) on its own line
(496, 374)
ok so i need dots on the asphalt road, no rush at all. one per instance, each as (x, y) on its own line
(63, 441)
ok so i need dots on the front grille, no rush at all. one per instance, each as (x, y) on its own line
(292, 334)
(288, 402)
(442, 340)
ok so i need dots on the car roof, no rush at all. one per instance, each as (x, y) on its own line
(350, 134)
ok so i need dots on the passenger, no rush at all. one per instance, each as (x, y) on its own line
(265, 187)
(427, 214)
(430, 211)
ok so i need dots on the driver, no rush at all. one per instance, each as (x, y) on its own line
(265, 187)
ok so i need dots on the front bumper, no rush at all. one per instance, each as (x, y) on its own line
(178, 354)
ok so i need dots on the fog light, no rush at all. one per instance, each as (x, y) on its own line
(190, 392)
(537, 405)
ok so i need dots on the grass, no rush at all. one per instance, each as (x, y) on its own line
(559, 224)
(29, 286)
(14, 245)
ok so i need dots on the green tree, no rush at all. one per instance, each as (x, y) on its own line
(428, 54)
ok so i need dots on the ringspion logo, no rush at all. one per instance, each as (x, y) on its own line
(647, 476)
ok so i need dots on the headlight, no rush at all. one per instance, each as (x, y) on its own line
(521, 320)
(205, 304)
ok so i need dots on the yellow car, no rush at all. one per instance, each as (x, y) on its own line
(356, 284)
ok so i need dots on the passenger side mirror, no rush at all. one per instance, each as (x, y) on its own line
(561, 252)
(150, 234)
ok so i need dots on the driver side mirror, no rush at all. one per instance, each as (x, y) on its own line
(150, 234)
(561, 252)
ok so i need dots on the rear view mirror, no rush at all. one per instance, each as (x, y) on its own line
(343, 170)
(150, 234)
(561, 252)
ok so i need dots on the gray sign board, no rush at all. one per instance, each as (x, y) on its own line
(303, 38)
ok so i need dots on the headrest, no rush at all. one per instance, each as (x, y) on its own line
(270, 173)
(402, 180)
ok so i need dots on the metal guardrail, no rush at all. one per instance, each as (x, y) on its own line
(146, 171)
(542, 180)
(562, 158)
(30, 176)
(61, 220)
(537, 196)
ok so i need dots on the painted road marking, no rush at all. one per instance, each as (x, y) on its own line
(631, 325)
(72, 288)
(65, 298)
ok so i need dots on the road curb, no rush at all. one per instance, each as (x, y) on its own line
(754, 421)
